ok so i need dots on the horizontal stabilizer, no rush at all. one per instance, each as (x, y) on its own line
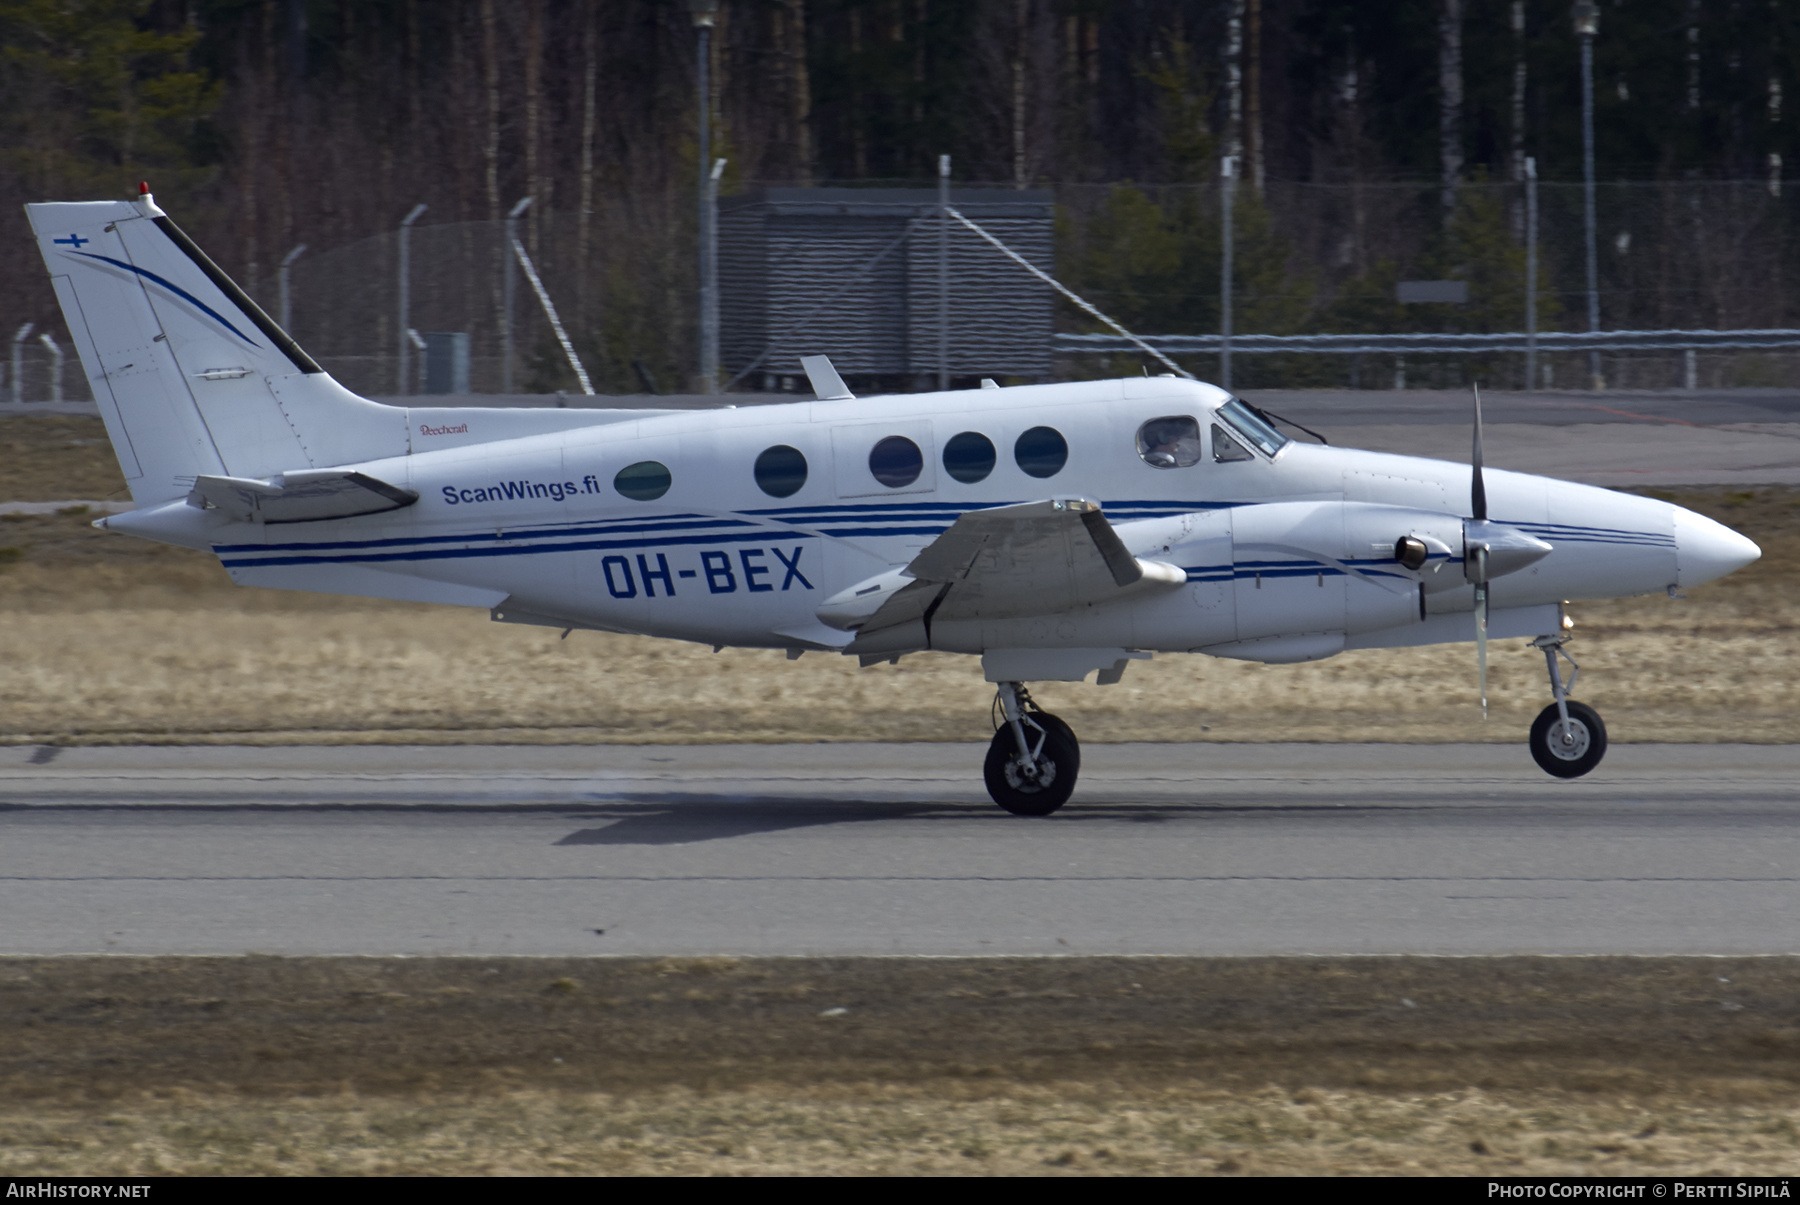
(300, 497)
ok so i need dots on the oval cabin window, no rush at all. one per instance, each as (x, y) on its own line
(1041, 452)
(646, 481)
(780, 471)
(896, 462)
(969, 457)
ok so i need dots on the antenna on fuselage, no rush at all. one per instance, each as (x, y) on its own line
(827, 385)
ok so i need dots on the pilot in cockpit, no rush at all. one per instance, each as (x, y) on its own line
(1169, 443)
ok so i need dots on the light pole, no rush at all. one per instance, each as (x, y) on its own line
(508, 289)
(1587, 27)
(400, 381)
(1227, 184)
(943, 331)
(703, 12)
(709, 281)
(287, 311)
(1531, 271)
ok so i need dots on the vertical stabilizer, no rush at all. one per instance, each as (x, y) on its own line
(191, 376)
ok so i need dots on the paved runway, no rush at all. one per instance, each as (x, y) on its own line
(1742, 437)
(894, 849)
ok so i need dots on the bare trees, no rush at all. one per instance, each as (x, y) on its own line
(276, 122)
(1450, 99)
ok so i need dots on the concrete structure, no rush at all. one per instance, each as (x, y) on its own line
(854, 273)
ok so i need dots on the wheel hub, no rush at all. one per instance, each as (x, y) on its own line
(1568, 739)
(1023, 777)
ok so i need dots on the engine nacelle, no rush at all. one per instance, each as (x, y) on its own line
(1307, 574)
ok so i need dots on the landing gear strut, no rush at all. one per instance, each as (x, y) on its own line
(1567, 738)
(1034, 757)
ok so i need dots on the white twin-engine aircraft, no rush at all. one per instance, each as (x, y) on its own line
(1052, 530)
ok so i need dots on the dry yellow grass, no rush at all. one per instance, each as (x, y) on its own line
(110, 639)
(49, 457)
(843, 1066)
(413, 674)
(884, 1129)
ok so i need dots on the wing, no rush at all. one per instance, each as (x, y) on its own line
(300, 497)
(1034, 558)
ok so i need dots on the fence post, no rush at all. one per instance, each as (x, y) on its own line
(18, 363)
(56, 365)
(1531, 270)
(511, 287)
(287, 305)
(1227, 181)
(420, 346)
(400, 383)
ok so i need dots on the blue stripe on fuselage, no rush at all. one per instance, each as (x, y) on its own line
(444, 554)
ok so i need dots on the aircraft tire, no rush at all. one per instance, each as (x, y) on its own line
(1563, 762)
(1059, 764)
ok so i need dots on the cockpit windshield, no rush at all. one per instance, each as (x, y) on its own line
(1251, 426)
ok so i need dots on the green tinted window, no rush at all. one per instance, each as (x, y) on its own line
(646, 481)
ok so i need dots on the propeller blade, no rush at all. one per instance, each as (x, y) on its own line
(1481, 626)
(1477, 487)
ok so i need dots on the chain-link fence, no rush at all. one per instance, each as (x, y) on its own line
(622, 281)
(1690, 255)
(1308, 258)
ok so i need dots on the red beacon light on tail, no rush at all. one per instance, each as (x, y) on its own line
(145, 202)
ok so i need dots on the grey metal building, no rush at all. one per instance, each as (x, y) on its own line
(853, 273)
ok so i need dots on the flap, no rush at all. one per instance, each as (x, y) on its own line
(1033, 558)
(299, 497)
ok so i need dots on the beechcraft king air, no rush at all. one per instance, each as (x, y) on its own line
(1053, 531)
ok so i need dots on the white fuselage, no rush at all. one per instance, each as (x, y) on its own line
(535, 526)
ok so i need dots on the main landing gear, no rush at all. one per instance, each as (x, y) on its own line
(1567, 739)
(1034, 757)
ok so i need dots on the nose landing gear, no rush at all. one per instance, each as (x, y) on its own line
(1567, 739)
(1034, 757)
